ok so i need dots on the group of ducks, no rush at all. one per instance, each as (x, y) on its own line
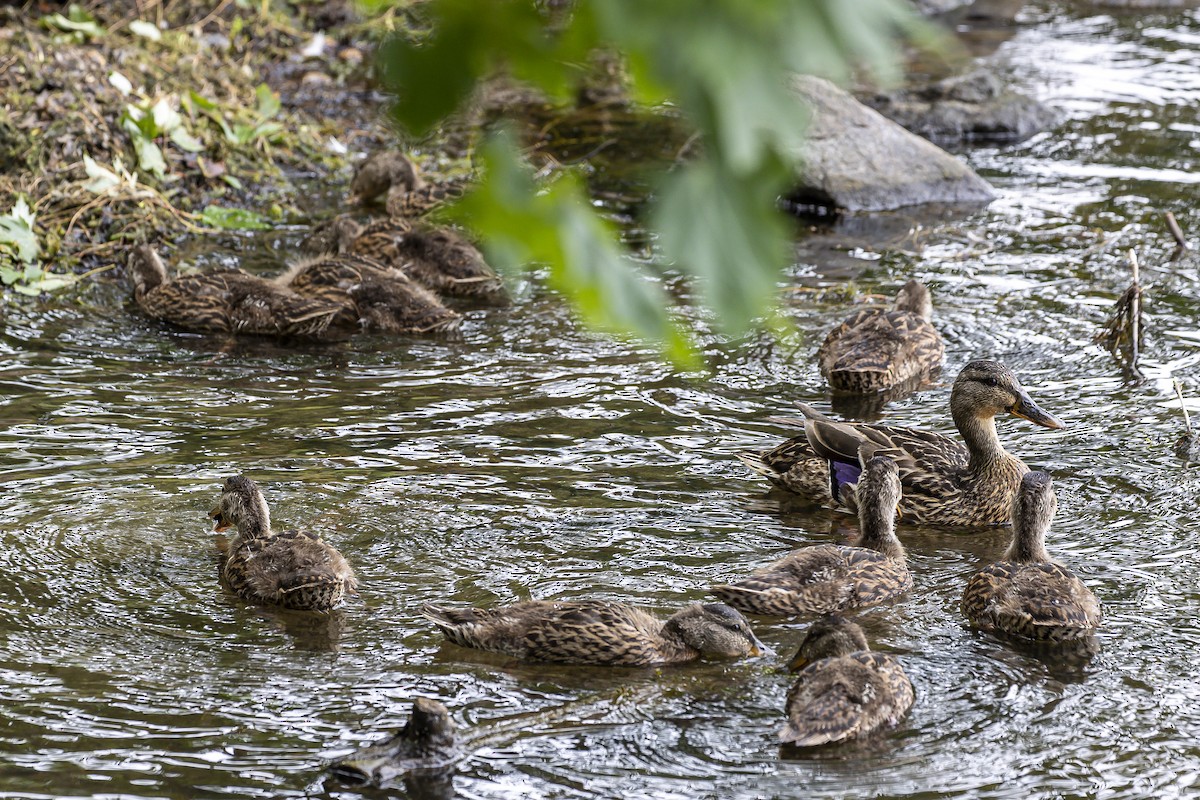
(880, 472)
(386, 276)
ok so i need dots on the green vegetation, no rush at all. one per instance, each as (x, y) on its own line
(725, 64)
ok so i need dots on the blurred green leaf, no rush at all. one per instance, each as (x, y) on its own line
(268, 101)
(76, 21)
(238, 219)
(16, 232)
(558, 228)
(726, 230)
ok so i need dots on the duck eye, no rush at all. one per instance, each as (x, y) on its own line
(989, 381)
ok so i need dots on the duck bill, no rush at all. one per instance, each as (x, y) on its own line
(359, 771)
(219, 523)
(797, 663)
(757, 648)
(1025, 408)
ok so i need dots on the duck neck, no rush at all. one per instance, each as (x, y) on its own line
(979, 433)
(1028, 544)
(256, 522)
(878, 526)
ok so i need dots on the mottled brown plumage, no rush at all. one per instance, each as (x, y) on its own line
(1026, 594)
(374, 297)
(426, 742)
(291, 569)
(392, 174)
(226, 301)
(944, 482)
(825, 578)
(843, 691)
(875, 349)
(439, 259)
(598, 632)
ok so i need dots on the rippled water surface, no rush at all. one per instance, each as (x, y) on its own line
(530, 459)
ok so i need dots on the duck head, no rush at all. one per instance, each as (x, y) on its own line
(988, 388)
(828, 637)
(715, 630)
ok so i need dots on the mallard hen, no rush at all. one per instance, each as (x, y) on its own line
(1026, 594)
(426, 742)
(439, 259)
(374, 296)
(944, 482)
(843, 691)
(875, 349)
(599, 632)
(829, 577)
(291, 569)
(407, 194)
(226, 301)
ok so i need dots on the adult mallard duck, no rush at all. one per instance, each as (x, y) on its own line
(829, 577)
(373, 296)
(292, 569)
(843, 690)
(599, 632)
(944, 482)
(394, 175)
(226, 301)
(875, 349)
(439, 259)
(1026, 594)
(426, 742)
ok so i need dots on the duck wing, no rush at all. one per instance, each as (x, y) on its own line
(1043, 601)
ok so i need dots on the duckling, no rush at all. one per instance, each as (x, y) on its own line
(225, 301)
(875, 349)
(829, 577)
(843, 691)
(372, 295)
(1026, 594)
(408, 194)
(291, 569)
(598, 632)
(439, 259)
(426, 742)
(944, 482)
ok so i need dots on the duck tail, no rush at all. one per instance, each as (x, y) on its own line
(799, 736)
(755, 462)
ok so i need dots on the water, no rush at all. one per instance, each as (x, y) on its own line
(531, 459)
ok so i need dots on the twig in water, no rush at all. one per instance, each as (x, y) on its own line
(1177, 232)
(1183, 445)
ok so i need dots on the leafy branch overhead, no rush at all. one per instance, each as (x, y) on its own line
(725, 64)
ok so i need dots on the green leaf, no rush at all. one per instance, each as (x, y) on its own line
(16, 232)
(78, 22)
(145, 29)
(238, 219)
(725, 230)
(149, 157)
(185, 141)
(559, 228)
(268, 101)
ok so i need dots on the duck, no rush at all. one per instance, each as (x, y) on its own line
(944, 482)
(1026, 594)
(825, 578)
(876, 349)
(226, 301)
(373, 296)
(393, 175)
(843, 690)
(599, 632)
(438, 258)
(290, 569)
(426, 742)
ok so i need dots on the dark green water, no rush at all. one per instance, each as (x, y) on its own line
(531, 459)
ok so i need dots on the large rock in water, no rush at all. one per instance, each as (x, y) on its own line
(856, 159)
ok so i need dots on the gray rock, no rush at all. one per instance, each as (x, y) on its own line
(972, 107)
(855, 159)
